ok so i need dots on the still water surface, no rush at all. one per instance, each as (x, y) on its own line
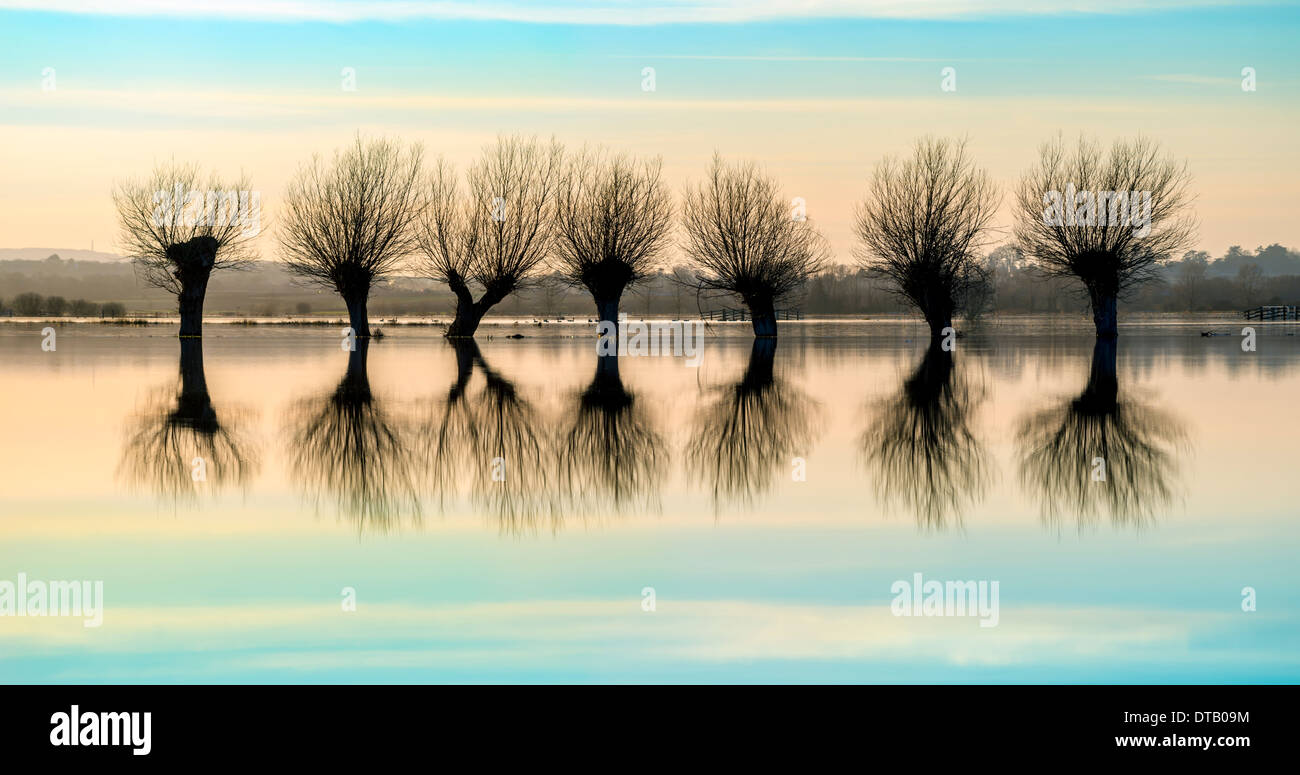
(377, 471)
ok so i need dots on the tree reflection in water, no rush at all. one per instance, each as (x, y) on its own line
(344, 447)
(1135, 445)
(749, 432)
(609, 457)
(178, 447)
(924, 454)
(491, 442)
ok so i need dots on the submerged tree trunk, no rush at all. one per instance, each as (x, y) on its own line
(193, 261)
(606, 281)
(468, 316)
(469, 313)
(191, 307)
(762, 313)
(607, 311)
(1105, 314)
(357, 317)
(937, 325)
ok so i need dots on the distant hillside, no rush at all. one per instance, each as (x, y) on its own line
(1195, 282)
(265, 288)
(35, 254)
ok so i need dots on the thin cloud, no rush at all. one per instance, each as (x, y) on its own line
(621, 12)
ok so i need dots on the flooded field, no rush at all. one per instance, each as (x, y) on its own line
(270, 506)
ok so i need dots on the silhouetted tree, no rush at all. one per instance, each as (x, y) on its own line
(348, 224)
(922, 225)
(177, 229)
(745, 240)
(612, 220)
(498, 235)
(1108, 220)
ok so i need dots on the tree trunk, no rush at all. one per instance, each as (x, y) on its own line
(468, 316)
(469, 313)
(607, 310)
(937, 325)
(193, 261)
(357, 314)
(762, 313)
(193, 382)
(191, 306)
(1105, 314)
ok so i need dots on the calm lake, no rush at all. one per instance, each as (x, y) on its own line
(269, 507)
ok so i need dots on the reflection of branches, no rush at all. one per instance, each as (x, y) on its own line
(176, 448)
(750, 430)
(1134, 446)
(922, 448)
(610, 456)
(345, 445)
(492, 435)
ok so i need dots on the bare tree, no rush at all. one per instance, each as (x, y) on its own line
(746, 241)
(1109, 220)
(349, 224)
(922, 225)
(177, 229)
(498, 236)
(612, 218)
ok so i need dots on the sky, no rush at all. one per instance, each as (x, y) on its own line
(818, 93)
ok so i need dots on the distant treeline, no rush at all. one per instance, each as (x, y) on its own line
(35, 305)
(1197, 282)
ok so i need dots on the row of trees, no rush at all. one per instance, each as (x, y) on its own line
(602, 221)
(30, 304)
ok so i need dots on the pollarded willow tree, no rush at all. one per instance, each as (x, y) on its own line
(178, 228)
(745, 240)
(498, 236)
(1108, 219)
(349, 223)
(922, 224)
(612, 215)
